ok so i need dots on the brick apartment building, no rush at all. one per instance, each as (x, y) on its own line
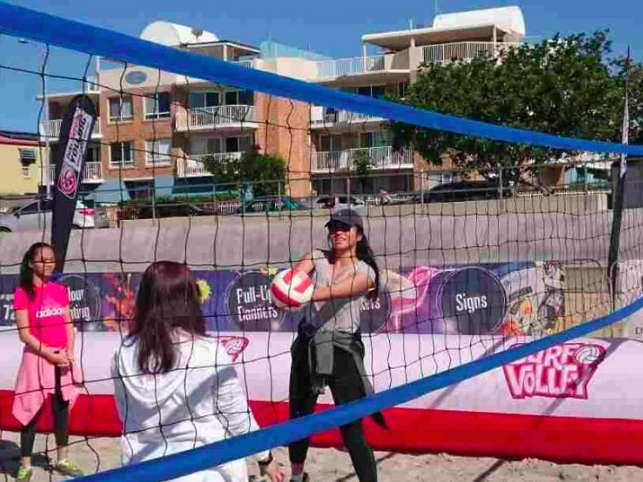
(154, 136)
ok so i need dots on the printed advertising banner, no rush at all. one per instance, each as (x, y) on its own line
(508, 299)
(574, 402)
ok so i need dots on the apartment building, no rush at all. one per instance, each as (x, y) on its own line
(20, 170)
(340, 135)
(154, 137)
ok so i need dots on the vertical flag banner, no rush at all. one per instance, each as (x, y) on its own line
(75, 132)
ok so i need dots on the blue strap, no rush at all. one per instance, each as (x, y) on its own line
(208, 456)
(23, 22)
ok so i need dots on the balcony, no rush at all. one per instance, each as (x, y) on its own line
(222, 116)
(381, 158)
(92, 173)
(248, 63)
(51, 128)
(329, 69)
(322, 117)
(196, 168)
(464, 51)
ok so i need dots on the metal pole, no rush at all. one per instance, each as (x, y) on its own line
(500, 182)
(47, 151)
(619, 198)
(279, 195)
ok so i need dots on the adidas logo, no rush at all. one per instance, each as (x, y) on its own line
(49, 312)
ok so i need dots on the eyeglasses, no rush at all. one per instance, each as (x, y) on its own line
(342, 228)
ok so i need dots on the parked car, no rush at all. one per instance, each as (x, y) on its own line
(36, 215)
(338, 202)
(463, 191)
(169, 210)
(264, 205)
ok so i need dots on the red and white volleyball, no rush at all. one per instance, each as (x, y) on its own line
(291, 290)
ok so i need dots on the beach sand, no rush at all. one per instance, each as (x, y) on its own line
(330, 465)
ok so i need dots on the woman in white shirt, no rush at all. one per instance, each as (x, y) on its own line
(175, 388)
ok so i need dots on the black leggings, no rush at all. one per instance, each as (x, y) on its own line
(346, 386)
(61, 422)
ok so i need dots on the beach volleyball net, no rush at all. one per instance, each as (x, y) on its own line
(230, 159)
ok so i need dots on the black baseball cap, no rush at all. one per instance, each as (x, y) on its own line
(347, 217)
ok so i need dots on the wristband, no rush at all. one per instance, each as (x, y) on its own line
(263, 464)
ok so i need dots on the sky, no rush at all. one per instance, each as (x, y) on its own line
(330, 27)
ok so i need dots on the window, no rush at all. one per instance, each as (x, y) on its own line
(372, 90)
(200, 100)
(238, 144)
(373, 139)
(402, 88)
(218, 145)
(37, 207)
(121, 154)
(140, 189)
(239, 97)
(157, 152)
(329, 143)
(27, 158)
(93, 153)
(206, 145)
(157, 106)
(120, 109)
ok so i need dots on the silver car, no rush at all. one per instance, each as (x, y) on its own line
(36, 215)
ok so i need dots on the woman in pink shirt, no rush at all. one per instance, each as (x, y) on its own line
(47, 367)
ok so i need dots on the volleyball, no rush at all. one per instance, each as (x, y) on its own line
(291, 290)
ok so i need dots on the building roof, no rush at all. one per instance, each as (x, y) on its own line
(19, 138)
(174, 34)
(231, 43)
(455, 27)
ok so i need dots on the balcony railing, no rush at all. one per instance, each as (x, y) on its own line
(92, 173)
(51, 128)
(195, 167)
(213, 117)
(380, 158)
(329, 69)
(249, 63)
(442, 53)
(323, 117)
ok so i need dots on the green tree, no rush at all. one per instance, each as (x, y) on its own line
(572, 87)
(362, 165)
(265, 172)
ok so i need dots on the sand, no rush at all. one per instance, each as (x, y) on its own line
(330, 465)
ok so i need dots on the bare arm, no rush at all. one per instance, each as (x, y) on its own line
(305, 264)
(353, 285)
(71, 335)
(22, 320)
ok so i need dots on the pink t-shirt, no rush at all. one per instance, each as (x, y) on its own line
(46, 313)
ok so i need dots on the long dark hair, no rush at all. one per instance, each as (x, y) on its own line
(365, 253)
(26, 271)
(168, 298)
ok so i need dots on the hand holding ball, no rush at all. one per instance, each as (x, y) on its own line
(291, 290)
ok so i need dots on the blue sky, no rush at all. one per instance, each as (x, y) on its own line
(331, 27)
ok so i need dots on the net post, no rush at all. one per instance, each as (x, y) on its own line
(500, 168)
(619, 195)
